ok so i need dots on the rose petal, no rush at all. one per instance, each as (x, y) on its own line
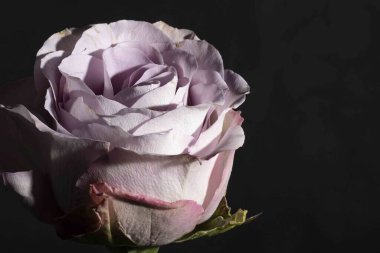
(238, 88)
(207, 87)
(125, 217)
(35, 189)
(208, 58)
(46, 73)
(156, 144)
(102, 36)
(62, 41)
(176, 35)
(81, 111)
(160, 96)
(85, 67)
(224, 134)
(129, 95)
(181, 97)
(47, 150)
(184, 62)
(128, 118)
(218, 182)
(185, 119)
(168, 178)
(144, 74)
(99, 104)
(146, 48)
(120, 62)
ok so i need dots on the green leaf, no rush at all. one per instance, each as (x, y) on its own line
(133, 250)
(221, 221)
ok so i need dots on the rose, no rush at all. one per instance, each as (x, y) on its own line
(129, 136)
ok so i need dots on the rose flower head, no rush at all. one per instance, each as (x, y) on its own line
(125, 136)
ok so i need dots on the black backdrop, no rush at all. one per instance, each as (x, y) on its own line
(310, 161)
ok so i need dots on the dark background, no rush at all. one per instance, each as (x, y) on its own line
(311, 158)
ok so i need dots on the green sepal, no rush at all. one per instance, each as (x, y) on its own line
(133, 250)
(221, 221)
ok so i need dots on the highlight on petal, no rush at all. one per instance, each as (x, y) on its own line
(224, 134)
(35, 189)
(176, 35)
(187, 119)
(156, 143)
(102, 36)
(62, 41)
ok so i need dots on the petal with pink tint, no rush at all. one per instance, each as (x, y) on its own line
(218, 182)
(169, 178)
(147, 221)
(119, 218)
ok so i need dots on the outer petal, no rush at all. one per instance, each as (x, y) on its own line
(15, 153)
(184, 62)
(64, 40)
(34, 187)
(46, 73)
(169, 178)
(208, 57)
(121, 218)
(48, 151)
(237, 89)
(176, 35)
(102, 36)
(207, 87)
(218, 182)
